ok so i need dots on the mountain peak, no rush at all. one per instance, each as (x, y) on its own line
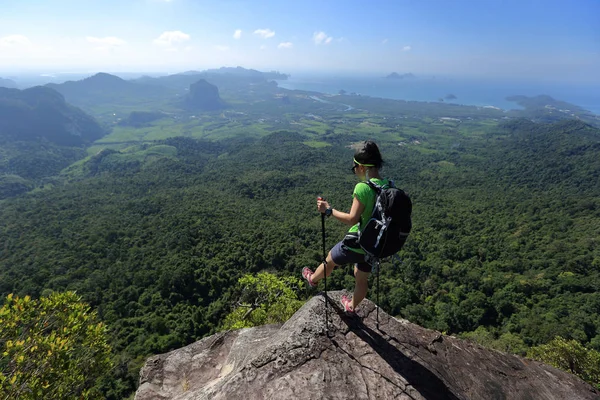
(104, 81)
(357, 360)
(8, 83)
(103, 76)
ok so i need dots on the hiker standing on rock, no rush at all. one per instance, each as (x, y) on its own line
(367, 163)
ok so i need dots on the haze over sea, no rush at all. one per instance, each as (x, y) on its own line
(468, 91)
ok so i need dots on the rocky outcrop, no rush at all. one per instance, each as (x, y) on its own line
(354, 360)
(204, 96)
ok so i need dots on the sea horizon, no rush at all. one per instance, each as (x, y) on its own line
(479, 92)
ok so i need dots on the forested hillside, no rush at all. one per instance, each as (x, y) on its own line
(505, 237)
(40, 134)
(103, 88)
(41, 112)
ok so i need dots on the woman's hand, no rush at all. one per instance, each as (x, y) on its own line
(322, 205)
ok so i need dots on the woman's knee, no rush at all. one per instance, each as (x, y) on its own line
(358, 270)
(361, 276)
(330, 263)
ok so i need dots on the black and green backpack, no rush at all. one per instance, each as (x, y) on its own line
(386, 231)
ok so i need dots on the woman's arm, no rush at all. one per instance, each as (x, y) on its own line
(351, 218)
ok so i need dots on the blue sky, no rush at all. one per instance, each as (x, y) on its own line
(518, 39)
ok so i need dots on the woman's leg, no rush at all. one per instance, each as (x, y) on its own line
(360, 287)
(318, 275)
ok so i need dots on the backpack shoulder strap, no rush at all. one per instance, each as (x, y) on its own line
(377, 188)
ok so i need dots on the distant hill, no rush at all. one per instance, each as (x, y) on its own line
(180, 81)
(239, 71)
(8, 83)
(225, 78)
(41, 112)
(204, 96)
(543, 101)
(104, 88)
(40, 134)
(395, 75)
(544, 108)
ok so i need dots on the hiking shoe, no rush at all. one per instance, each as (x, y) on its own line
(307, 274)
(347, 304)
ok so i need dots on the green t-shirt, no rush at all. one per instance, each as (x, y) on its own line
(366, 196)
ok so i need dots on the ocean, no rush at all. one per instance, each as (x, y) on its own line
(468, 91)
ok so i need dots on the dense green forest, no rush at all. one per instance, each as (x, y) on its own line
(155, 222)
(505, 234)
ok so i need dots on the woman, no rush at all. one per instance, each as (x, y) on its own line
(367, 163)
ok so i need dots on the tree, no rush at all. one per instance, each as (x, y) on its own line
(51, 348)
(265, 299)
(570, 356)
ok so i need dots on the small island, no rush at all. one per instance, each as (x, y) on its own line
(450, 96)
(395, 75)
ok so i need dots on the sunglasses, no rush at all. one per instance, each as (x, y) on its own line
(354, 168)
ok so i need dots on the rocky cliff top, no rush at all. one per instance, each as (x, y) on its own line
(356, 360)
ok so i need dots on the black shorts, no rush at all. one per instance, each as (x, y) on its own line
(342, 255)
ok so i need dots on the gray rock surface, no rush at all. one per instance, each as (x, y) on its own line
(355, 360)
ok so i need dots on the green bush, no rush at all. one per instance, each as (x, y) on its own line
(570, 356)
(51, 348)
(265, 299)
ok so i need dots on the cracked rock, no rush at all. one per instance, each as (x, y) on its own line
(356, 360)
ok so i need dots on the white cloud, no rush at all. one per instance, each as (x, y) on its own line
(285, 45)
(170, 38)
(321, 38)
(15, 41)
(406, 48)
(237, 34)
(222, 48)
(263, 47)
(106, 43)
(264, 33)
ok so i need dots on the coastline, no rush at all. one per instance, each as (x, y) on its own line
(470, 92)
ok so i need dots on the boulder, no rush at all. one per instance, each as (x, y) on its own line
(354, 358)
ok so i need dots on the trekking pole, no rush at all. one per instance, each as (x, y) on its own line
(378, 265)
(325, 272)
